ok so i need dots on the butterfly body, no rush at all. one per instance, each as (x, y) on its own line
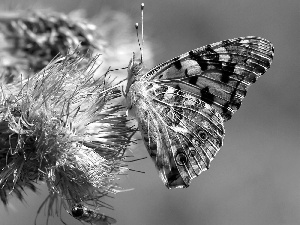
(182, 104)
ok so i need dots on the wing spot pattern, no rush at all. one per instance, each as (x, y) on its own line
(206, 96)
(177, 64)
(181, 158)
(203, 135)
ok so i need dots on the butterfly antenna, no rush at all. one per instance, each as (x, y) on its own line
(123, 68)
(142, 18)
(137, 34)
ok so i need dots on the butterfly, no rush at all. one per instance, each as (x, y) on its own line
(181, 105)
(82, 212)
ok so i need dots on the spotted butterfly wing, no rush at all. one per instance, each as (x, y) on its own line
(181, 105)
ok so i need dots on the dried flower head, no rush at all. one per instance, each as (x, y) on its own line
(30, 40)
(62, 126)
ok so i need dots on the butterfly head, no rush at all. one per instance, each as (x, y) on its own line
(135, 70)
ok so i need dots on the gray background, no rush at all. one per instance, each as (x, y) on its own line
(254, 179)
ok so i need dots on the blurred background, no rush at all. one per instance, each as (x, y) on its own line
(254, 179)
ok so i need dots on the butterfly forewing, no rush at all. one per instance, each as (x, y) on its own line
(181, 104)
(218, 74)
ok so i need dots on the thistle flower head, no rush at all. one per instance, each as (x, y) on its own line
(63, 126)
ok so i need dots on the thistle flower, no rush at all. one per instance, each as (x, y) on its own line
(61, 125)
(30, 40)
(29, 150)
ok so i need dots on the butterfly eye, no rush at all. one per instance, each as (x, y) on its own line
(77, 210)
(181, 159)
(203, 135)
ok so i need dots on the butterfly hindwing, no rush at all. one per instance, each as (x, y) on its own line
(182, 133)
(181, 105)
(218, 74)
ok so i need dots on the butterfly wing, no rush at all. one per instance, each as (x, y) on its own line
(218, 74)
(181, 104)
(182, 133)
